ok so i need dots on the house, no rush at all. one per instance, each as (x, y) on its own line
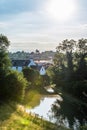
(32, 63)
(20, 64)
(19, 68)
(14, 68)
(41, 69)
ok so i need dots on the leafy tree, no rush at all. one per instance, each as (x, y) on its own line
(4, 42)
(13, 87)
(37, 51)
(32, 76)
(82, 59)
(12, 84)
(67, 47)
(4, 59)
(70, 67)
(50, 73)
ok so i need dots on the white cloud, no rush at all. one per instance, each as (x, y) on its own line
(4, 25)
(30, 30)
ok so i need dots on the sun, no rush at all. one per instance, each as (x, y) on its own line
(60, 9)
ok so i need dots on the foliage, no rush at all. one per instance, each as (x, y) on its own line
(70, 109)
(83, 128)
(4, 59)
(13, 87)
(32, 76)
(35, 55)
(4, 64)
(12, 83)
(32, 97)
(70, 67)
(16, 85)
(45, 80)
(4, 42)
(50, 74)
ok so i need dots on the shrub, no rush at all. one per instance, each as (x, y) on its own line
(32, 76)
(83, 128)
(14, 86)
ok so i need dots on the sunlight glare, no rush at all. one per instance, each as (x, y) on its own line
(60, 9)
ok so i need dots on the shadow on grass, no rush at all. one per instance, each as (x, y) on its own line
(6, 110)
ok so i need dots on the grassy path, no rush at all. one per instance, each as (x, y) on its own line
(14, 118)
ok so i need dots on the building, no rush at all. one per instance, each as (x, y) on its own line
(20, 64)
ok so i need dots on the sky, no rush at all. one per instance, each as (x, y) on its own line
(42, 24)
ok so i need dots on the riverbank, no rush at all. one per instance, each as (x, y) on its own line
(34, 94)
(72, 109)
(13, 117)
(69, 97)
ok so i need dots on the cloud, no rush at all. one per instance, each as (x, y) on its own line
(3, 25)
(28, 26)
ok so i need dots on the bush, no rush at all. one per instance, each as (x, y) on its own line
(76, 88)
(32, 76)
(13, 87)
(83, 128)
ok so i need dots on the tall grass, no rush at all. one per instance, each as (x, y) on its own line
(14, 118)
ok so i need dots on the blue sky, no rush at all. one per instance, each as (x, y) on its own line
(42, 24)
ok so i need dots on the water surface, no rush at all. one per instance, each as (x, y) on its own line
(62, 111)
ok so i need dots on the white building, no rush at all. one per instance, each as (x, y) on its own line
(32, 63)
(42, 71)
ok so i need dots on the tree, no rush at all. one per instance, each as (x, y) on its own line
(12, 84)
(4, 42)
(64, 58)
(15, 86)
(71, 66)
(82, 59)
(67, 47)
(32, 76)
(4, 59)
(37, 51)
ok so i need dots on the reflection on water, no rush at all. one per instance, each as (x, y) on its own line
(44, 108)
(62, 111)
(70, 113)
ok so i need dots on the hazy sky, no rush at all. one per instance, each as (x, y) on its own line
(42, 24)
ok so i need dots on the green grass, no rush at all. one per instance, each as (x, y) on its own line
(15, 118)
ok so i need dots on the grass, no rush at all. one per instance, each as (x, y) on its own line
(15, 118)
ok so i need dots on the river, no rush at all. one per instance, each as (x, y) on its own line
(61, 110)
(44, 108)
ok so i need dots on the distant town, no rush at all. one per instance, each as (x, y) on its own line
(36, 56)
(39, 61)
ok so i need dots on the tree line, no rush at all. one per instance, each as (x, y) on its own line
(37, 55)
(69, 72)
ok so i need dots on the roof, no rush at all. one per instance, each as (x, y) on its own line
(39, 67)
(20, 62)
